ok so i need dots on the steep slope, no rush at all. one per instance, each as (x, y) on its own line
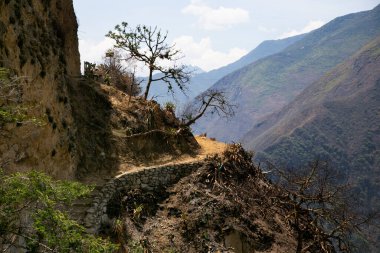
(203, 80)
(267, 85)
(38, 42)
(335, 119)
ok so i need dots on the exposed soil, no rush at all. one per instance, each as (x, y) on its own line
(208, 148)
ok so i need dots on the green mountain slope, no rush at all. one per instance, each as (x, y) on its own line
(269, 84)
(337, 118)
(201, 81)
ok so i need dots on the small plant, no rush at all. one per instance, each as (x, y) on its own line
(170, 250)
(118, 226)
(136, 247)
(18, 114)
(172, 131)
(118, 229)
(11, 109)
(170, 107)
(137, 211)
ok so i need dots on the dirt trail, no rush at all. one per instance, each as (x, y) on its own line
(209, 147)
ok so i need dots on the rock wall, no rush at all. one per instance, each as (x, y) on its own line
(147, 179)
(38, 41)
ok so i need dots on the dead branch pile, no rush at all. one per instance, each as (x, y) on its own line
(235, 165)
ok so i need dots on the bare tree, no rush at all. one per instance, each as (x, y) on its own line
(320, 209)
(148, 45)
(213, 101)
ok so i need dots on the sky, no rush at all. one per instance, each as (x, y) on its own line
(210, 33)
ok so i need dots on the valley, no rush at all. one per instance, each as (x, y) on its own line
(276, 151)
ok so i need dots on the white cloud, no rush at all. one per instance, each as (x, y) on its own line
(92, 51)
(197, 53)
(312, 25)
(202, 54)
(216, 19)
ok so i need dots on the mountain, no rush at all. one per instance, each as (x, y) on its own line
(269, 84)
(336, 117)
(201, 81)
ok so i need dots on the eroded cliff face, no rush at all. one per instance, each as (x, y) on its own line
(38, 42)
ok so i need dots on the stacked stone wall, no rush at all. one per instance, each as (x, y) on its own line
(147, 179)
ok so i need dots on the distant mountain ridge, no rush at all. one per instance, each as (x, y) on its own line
(269, 84)
(336, 118)
(201, 81)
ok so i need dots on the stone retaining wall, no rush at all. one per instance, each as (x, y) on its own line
(148, 179)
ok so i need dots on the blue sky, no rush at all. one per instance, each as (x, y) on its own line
(210, 33)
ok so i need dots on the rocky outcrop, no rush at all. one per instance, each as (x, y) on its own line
(38, 42)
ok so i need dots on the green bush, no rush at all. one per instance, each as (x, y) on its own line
(29, 210)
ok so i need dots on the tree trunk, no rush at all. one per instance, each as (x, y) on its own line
(148, 83)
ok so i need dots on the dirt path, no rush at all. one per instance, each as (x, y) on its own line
(209, 147)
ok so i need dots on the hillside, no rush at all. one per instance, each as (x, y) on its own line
(336, 118)
(267, 85)
(118, 131)
(86, 127)
(201, 81)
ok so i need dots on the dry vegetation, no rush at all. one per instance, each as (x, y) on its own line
(228, 205)
(221, 207)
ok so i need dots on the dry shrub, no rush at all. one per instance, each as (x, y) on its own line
(235, 165)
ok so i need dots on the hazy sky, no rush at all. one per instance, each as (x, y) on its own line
(211, 33)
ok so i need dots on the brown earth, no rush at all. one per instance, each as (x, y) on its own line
(39, 42)
(208, 148)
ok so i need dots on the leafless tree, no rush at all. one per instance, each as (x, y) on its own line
(148, 45)
(213, 101)
(320, 208)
